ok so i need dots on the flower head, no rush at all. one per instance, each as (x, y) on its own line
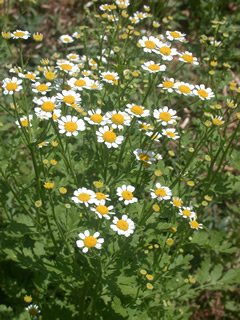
(187, 57)
(87, 241)
(203, 93)
(161, 193)
(103, 211)
(84, 195)
(153, 67)
(71, 125)
(125, 194)
(137, 110)
(11, 85)
(165, 115)
(104, 134)
(19, 34)
(175, 35)
(124, 226)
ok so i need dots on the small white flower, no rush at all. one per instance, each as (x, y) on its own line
(47, 107)
(104, 134)
(95, 117)
(41, 88)
(161, 193)
(125, 194)
(117, 119)
(69, 97)
(188, 58)
(84, 195)
(87, 241)
(67, 66)
(19, 34)
(70, 125)
(149, 44)
(203, 93)
(137, 110)
(165, 50)
(153, 67)
(186, 212)
(73, 57)
(32, 76)
(124, 226)
(170, 133)
(11, 85)
(175, 35)
(109, 77)
(145, 156)
(103, 211)
(184, 88)
(176, 202)
(194, 224)
(167, 84)
(24, 122)
(165, 116)
(65, 38)
(80, 83)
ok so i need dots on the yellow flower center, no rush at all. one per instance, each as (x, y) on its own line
(93, 61)
(166, 51)
(144, 157)
(69, 99)
(96, 118)
(66, 67)
(11, 86)
(137, 110)
(194, 224)
(84, 197)
(90, 242)
(55, 117)
(48, 106)
(122, 225)
(24, 123)
(184, 89)
(140, 15)
(66, 39)
(143, 126)
(70, 126)
(154, 67)
(117, 118)
(186, 213)
(73, 56)
(165, 116)
(19, 34)
(177, 203)
(203, 93)
(109, 136)
(33, 311)
(49, 75)
(160, 192)
(127, 195)
(80, 83)
(175, 34)
(109, 77)
(188, 58)
(171, 134)
(30, 76)
(94, 86)
(102, 209)
(37, 37)
(168, 84)
(100, 196)
(217, 122)
(150, 44)
(42, 87)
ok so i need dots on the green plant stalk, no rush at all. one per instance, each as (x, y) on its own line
(19, 201)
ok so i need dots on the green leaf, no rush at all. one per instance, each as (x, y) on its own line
(118, 308)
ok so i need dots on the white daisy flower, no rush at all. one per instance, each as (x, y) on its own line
(217, 121)
(165, 116)
(167, 84)
(176, 202)
(125, 194)
(11, 85)
(165, 50)
(194, 224)
(85, 196)
(67, 66)
(153, 67)
(24, 122)
(145, 156)
(70, 125)
(124, 226)
(41, 88)
(186, 212)
(80, 83)
(108, 137)
(69, 97)
(134, 20)
(117, 119)
(143, 126)
(170, 133)
(103, 211)
(154, 136)
(149, 44)
(95, 117)
(43, 144)
(216, 43)
(32, 76)
(184, 88)
(109, 77)
(47, 107)
(65, 38)
(73, 57)
(101, 198)
(122, 4)
(175, 35)
(137, 110)
(188, 58)
(19, 34)
(105, 7)
(161, 193)
(203, 93)
(56, 114)
(87, 241)
(95, 85)
(140, 15)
